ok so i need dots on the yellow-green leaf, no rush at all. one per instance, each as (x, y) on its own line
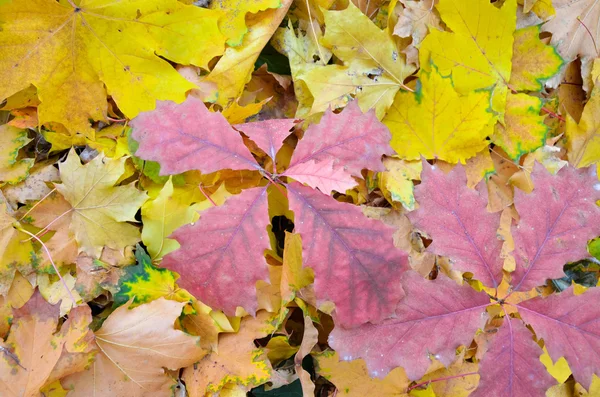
(524, 130)
(478, 51)
(533, 62)
(161, 217)
(12, 169)
(438, 123)
(145, 282)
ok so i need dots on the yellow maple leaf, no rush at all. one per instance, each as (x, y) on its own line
(373, 69)
(478, 51)
(99, 211)
(235, 67)
(70, 52)
(352, 377)
(233, 22)
(437, 122)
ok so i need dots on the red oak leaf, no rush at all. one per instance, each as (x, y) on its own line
(355, 262)
(512, 367)
(570, 327)
(323, 176)
(457, 220)
(435, 317)
(187, 136)
(557, 220)
(268, 134)
(222, 255)
(351, 139)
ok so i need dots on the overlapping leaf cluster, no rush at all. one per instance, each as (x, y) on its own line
(313, 196)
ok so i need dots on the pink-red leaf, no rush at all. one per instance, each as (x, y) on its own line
(351, 139)
(435, 317)
(322, 176)
(511, 367)
(355, 262)
(457, 220)
(268, 134)
(557, 220)
(187, 136)
(222, 255)
(570, 327)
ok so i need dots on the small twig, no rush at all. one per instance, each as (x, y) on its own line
(206, 195)
(116, 120)
(553, 114)
(53, 264)
(590, 33)
(12, 355)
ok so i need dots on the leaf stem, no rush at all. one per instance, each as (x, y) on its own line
(36, 204)
(441, 379)
(206, 195)
(62, 280)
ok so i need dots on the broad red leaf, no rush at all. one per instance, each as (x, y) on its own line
(570, 327)
(435, 317)
(187, 136)
(351, 139)
(268, 134)
(457, 220)
(355, 262)
(557, 220)
(511, 367)
(222, 255)
(323, 176)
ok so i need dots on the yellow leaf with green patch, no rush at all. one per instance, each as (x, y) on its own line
(72, 52)
(478, 51)
(16, 250)
(12, 169)
(161, 217)
(233, 22)
(237, 360)
(373, 69)
(533, 62)
(145, 282)
(524, 130)
(397, 182)
(437, 123)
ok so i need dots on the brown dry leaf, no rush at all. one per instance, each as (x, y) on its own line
(32, 350)
(309, 340)
(199, 322)
(238, 360)
(94, 276)
(53, 214)
(352, 378)
(134, 348)
(415, 20)
(34, 187)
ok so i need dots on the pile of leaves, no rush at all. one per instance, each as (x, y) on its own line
(307, 197)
